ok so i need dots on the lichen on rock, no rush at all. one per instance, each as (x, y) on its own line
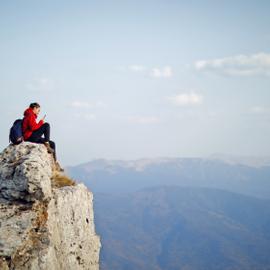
(43, 226)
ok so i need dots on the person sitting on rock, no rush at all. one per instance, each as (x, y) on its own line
(33, 131)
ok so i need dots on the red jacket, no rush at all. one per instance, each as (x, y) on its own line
(29, 123)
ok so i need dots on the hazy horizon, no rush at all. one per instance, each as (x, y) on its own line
(124, 80)
(251, 161)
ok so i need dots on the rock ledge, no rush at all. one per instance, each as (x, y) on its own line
(43, 227)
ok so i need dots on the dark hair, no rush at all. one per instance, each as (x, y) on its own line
(34, 105)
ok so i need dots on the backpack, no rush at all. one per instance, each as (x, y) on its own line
(15, 133)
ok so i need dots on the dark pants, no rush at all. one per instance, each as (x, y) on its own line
(36, 137)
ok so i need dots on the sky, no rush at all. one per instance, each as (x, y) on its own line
(139, 79)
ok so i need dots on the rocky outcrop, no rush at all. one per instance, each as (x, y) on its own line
(43, 225)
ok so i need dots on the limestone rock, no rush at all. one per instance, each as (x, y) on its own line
(25, 172)
(41, 226)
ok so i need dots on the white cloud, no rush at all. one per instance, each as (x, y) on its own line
(185, 99)
(260, 109)
(101, 104)
(165, 72)
(144, 119)
(239, 65)
(86, 116)
(137, 68)
(80, 104)
(155, 72)
(89, 116)
(86, 104)
(40, 85)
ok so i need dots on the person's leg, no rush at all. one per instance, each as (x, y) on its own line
(57, 165)
(52, 145)
(36, 135)
(47, 130)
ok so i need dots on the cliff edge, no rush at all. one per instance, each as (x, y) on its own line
(43, 225)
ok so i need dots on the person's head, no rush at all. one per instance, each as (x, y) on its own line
(35, 107)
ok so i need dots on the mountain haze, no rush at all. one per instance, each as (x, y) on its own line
(116, 176)
(181, 213)
(172, 228)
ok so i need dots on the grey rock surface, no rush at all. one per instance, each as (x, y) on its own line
(43, 226)
(25, 172)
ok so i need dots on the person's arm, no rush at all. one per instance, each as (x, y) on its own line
(33, 125)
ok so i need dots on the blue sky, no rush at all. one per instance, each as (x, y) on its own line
(139, 79)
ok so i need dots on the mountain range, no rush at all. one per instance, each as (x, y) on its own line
(117, 176)
(181, 213)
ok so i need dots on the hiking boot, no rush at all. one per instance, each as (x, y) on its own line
(50, 150)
